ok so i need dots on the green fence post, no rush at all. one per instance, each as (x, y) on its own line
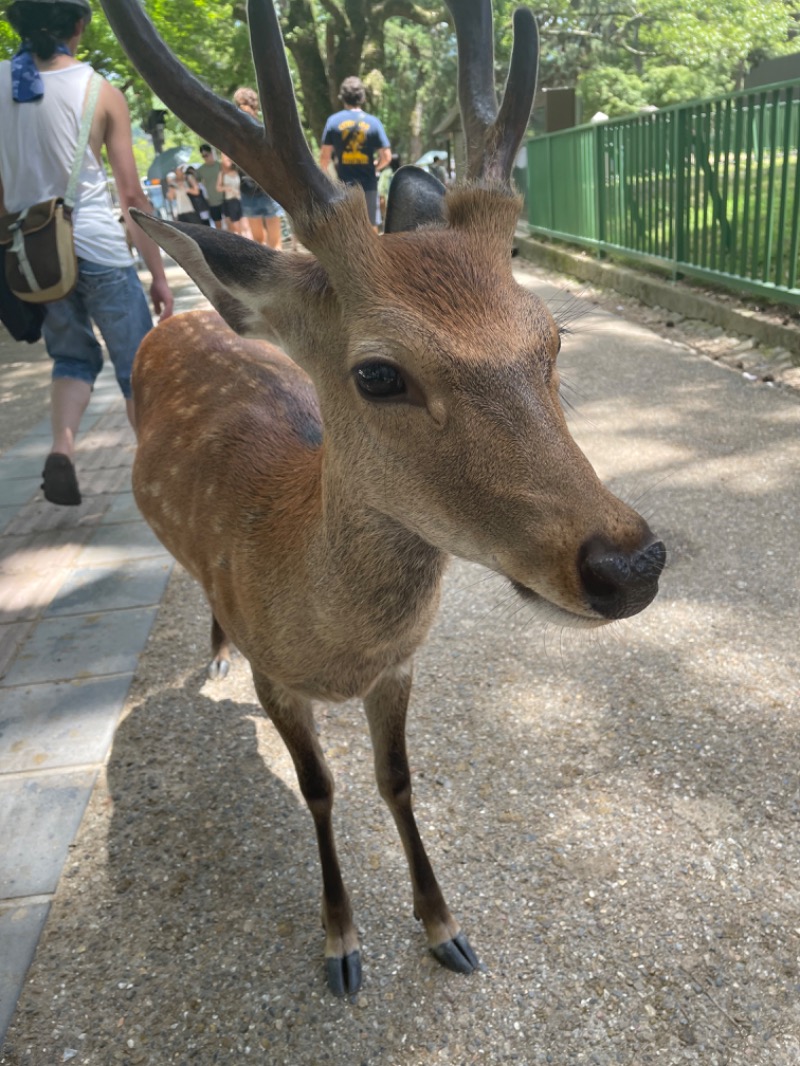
(785, 164)
(678, 192)
(600, 186)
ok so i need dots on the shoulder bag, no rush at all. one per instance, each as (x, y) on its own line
(40, 261)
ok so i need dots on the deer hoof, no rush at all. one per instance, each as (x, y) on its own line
(218, 668)
(457, 955)
(344, 974)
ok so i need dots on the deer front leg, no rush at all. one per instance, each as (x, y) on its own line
(386, 707)
(294, 721)
(220, 651)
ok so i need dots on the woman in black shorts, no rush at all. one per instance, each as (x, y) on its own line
(229, 184)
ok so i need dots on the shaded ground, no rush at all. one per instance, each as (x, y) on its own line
(26, 388)
(614, 818)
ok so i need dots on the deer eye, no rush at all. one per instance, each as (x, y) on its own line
(379, 381)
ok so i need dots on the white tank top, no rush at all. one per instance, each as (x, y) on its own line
(37, 147)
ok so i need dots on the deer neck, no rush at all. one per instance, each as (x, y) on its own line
(367, 561)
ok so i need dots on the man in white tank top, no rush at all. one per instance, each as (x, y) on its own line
(42, 94)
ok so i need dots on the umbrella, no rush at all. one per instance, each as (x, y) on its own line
(166, 161)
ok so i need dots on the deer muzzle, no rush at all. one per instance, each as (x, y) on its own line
(617, 583)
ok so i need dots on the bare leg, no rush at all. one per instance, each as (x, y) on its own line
(257, 231)
(273, 227)
(386, 707)
(69, 398)
(294, 721)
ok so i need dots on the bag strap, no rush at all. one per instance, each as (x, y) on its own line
(83, 137)
(18, 242)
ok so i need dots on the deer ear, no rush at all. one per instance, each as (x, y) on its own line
(416, 198)
(259, 292)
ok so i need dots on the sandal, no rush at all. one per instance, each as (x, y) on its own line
(60, 483)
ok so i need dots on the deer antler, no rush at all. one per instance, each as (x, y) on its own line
(493, 138)
(277, 155)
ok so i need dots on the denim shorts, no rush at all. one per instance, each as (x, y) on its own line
(260, 205)
(113, 299)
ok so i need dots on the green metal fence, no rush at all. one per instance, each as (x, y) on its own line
(709, 189)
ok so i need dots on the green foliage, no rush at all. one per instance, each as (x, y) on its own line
(662, 51)
(675, 85)
(613, 91)
(420, 85)
(719, 39)
(620, 57)
(207, 36)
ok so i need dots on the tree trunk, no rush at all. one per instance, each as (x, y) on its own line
(353, 29)
(301, 40)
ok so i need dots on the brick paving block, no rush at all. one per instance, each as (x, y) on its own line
(17, 492)
(27, 595)
(107, 436)
(59, 725)
(7, 516)
(39, 817)
(39, 551)
(116, 417)
(106, 479)
(104, 456)
(122, 509)
(116, 543)
(12, 636)
(38, 516)
(16, 467)
(21, 926)
(78, 647)
(37, 438)
(132, 583)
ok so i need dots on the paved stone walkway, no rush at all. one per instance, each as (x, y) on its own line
(79, 590)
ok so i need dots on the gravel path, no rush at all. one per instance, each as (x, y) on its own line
(613, 817)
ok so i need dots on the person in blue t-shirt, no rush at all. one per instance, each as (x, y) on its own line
(351, 138)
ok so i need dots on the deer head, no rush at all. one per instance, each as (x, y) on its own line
(421, 338)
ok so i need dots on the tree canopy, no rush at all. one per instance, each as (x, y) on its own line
(620, 54)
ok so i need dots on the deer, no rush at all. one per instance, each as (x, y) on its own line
(354, 414)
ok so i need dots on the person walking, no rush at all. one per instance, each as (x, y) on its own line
(207, 174)
(229, 183)
(437, 169)
(262, 212)
(179, 191)
(197, 196)
(351, 138)
(42, 94)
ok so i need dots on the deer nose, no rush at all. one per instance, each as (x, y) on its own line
(617, 583)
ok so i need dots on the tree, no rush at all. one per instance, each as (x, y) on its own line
(615, 51)
(419, 84)
(332, 39)
(714, 45)
(721, 39)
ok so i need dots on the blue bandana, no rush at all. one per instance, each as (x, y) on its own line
(26, 81)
